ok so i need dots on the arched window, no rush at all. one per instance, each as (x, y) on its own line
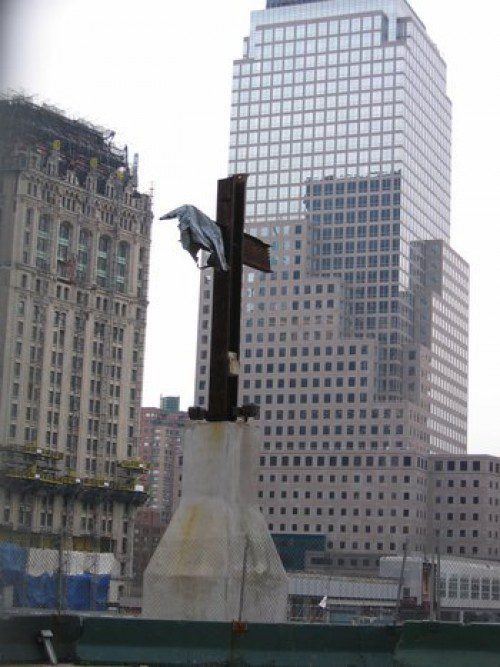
(83, 261)
(43, 242)
(64, 249)
(122, 262)
(103, 260)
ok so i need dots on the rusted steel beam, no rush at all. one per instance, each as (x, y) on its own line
(226, 302)
(256, 254)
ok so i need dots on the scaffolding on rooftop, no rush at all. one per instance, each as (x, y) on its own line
(79, 141)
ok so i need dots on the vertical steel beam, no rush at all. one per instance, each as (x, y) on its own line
(226, 301)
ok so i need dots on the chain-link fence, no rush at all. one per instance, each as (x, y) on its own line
(54, 577)
(240, 578)
(206, 570)
(327, 587)
(404, 586)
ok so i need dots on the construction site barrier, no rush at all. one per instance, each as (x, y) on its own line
(19, 638)
(115, 641)
(180, 643)
(424, 644)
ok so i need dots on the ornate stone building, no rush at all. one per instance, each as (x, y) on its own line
(74, 261)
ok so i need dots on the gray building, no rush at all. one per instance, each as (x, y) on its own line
(356, 346)
(464, 505)
(74, 261)
(455, 589)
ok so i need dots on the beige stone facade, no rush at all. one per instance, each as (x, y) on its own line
(74, 260)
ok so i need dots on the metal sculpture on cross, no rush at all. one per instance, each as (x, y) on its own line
(240, 249)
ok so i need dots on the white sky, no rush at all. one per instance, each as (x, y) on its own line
(159, 73)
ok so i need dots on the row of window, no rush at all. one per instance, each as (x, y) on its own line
(361, 202)
(326, 429)
(317, 28)
(304, 399)
(355, 546)
(345, 461)
(467, 587)
(464, 466)
(337, 445)
(326, 188)
(74, 262)
(375, 413)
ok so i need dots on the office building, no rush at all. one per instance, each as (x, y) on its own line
(464, 505)
(356, 346)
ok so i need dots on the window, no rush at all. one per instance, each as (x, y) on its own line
(43, 242)
(453, 587)
(122, 260)
(103, 261)
(64, 249)
(83, 255)
(485, 589)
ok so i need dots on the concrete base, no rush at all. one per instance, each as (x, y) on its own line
(197, 571)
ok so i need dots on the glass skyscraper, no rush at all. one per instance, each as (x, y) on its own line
(356, 346)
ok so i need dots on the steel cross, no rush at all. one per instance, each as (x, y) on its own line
(241, 250)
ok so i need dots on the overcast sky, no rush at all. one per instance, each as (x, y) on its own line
(159, 73)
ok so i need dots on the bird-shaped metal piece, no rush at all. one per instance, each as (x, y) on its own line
(199, 232)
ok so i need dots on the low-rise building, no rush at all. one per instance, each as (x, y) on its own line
(451, 589)
(464, 505)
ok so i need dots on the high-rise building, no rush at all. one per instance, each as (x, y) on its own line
(149, 527)
(74, 260)
(356, 346)
(160, 445)
(161, 450)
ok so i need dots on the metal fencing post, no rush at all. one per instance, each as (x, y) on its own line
(243, 579)
(400, 583)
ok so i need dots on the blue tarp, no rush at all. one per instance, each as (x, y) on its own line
(79, 592)
(13, 560)
(36, 592)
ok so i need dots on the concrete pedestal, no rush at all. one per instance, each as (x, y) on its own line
(217, 554)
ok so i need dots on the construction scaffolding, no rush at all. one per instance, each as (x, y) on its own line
(47, 560)
(80, 142)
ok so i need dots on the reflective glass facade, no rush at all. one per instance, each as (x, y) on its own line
(358, 340)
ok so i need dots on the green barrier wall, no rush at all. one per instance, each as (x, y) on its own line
(18, 638)
(129, 641)
(443, 644)
(178, 643)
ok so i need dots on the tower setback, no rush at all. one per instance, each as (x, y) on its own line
(356, 346)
